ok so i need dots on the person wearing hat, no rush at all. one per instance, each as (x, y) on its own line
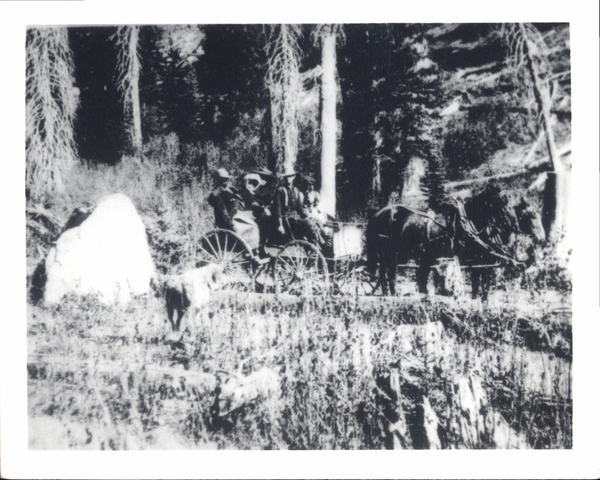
(290, 213)
(288, 204)
(312, 199)
(251, 190)
(258, 194)
(320, 222)
(265, 195)
(224, 200)
(311, 196)
(258, 189)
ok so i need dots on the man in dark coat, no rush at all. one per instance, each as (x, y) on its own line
(260, 201)
(289, 202)
(224, 200)
(290, 213)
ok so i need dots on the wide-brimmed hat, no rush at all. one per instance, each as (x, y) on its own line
(308, 179)
(290, 173)
(263, 172)
(222, 174)
(252, 176)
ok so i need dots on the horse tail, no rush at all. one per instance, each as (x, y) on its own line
(372, 251)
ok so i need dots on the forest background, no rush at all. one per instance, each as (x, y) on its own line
(377, 113)
(19, 87)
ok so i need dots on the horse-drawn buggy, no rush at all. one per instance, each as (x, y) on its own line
(296, 266)
(471, 235)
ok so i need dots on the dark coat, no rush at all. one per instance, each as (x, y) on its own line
(289, 202)
(224, 201)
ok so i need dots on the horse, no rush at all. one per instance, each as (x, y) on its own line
(530, 222)
(479, 231)
(398, 233)
(487, 231)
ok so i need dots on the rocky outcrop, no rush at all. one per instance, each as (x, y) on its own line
(106, 255)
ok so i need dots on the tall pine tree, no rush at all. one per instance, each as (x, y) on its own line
(51, 102)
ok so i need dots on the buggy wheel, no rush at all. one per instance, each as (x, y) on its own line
(300, 269)
(232, 252)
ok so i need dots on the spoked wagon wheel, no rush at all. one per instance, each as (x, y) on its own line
(300, 269)
(352, 278)
(232, 252)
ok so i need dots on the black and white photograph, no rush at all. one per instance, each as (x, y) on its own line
(298, 236)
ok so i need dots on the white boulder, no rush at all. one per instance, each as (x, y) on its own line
(107, 255)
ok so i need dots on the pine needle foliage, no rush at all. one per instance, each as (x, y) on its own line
(51, 102)
(284, 84)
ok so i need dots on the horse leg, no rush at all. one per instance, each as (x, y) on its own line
(391, 269)
(422, 276)
(438, 282)
(382, 276)
(474, 283)
(180, 314)
(486, 278)
(170, 312)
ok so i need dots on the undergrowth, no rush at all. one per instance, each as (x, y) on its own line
(119, 376)
(169, 190)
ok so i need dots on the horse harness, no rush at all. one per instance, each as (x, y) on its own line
(469, 228)
(430, 220)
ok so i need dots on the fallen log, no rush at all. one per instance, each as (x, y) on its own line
(531, 168)
(429, 304)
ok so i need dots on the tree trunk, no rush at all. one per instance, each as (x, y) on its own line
(555, 194)
(135, 94)
(328, 122)
(51, 101)
(412, 188)
(283, 81)
(268, 133)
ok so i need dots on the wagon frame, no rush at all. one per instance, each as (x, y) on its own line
(296, 267)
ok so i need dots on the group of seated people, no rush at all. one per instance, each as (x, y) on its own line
(284, 207)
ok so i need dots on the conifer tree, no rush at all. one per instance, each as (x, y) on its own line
(284, 84)
(128, 82)
(51, 103)
(529, 59)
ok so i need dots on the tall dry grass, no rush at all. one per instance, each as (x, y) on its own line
(117, 379)
(169, 189)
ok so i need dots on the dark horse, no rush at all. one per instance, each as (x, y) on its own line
(488, 228)
(397, 234)
(479, 230)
